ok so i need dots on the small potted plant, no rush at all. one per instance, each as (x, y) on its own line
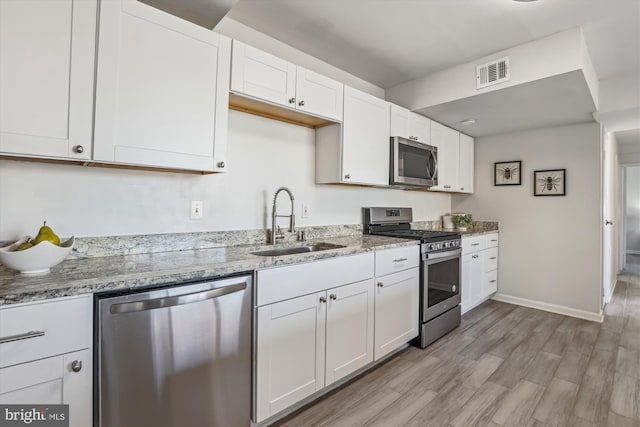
(462, 221)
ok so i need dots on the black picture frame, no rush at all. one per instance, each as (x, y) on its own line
(550, 182)
(507, 173)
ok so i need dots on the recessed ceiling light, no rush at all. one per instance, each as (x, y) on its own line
(468, 122)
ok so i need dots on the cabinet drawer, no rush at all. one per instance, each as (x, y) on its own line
(473, 244)
(490, 259)
(49, 328)
(282, 283)
(392, 260)
(491, 240)
(490, 284)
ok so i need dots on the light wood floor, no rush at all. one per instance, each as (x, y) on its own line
(505, 366)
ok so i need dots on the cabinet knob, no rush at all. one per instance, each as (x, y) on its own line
(380, 285)
(323, 299)
(76, 365)
(221, 165)
(292, 100)
(333, 297)
(347, 176)
(301, 103)
(78, 149)
(461, 188)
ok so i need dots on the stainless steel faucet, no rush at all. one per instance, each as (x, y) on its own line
(277, 235)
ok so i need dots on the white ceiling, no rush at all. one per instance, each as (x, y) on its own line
(388, 42)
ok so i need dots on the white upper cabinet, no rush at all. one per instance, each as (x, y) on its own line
(47, 54)
(266, 77)
(465, 165)
(447, 140)
(162, 90)
(319, 95)
(356, 152)
(410, 125)
(263, 76)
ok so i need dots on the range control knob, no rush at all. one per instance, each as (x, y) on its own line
(445, 245)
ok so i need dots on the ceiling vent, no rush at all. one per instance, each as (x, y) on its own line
(493, 72)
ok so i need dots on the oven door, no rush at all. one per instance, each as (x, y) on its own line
(440, 282)
(413, 163)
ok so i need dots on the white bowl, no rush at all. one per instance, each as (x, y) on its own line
(38, 259)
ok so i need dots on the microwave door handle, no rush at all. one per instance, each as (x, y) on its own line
(435, 162)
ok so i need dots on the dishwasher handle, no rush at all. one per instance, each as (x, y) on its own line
(165, 302)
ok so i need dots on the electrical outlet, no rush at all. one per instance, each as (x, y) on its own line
(196, 211)
(305, 211)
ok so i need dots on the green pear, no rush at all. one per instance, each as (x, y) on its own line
(22, 246)
(46, 233)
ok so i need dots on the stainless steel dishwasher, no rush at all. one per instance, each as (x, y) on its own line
(176, 357)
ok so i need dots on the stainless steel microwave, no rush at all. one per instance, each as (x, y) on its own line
(412, 163)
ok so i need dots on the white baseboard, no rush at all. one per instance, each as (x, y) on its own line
(553, 308)
(613, 289)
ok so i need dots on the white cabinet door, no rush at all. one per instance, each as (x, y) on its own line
(397, 301)
(350, 311)
(420, 128)
(319, 95)
(262, 76)
(409, 125)
(77, 387)
(290, 352)
(53, 381)
(365, 139)
(162, 89)
(447, 141)
(472, 275)
(466, 164)
(399, 125)
(47, 54)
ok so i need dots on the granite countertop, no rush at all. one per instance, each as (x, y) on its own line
(478, 228)
(109, 273)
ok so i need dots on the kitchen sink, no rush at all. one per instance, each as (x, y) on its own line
(298, 249)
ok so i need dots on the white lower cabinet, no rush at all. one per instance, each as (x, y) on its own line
(397, 307)
(314, 326)
(479, 269)
(46, 356)
(397, 298)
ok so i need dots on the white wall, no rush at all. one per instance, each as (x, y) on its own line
(550, 247)
(263, 155)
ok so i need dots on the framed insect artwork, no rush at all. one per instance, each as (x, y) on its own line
(507, 173)
(550, 182)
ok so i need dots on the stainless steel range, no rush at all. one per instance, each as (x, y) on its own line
(440, 269)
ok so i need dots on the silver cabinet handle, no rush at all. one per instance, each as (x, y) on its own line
(292, 100)
(78, 149)
(323, 299)
(221, 164)
(474, 256)
(492, 281)
(76, 365)
(461, 188)
(494, 240)
(380, 285)
(347, 176)
(475, 244)
(493, 257)
(301, 103)
(333, 297)
(400, 260)
(165, 302)
(25, 336)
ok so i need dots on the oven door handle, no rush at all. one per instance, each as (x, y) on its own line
(438, 255)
